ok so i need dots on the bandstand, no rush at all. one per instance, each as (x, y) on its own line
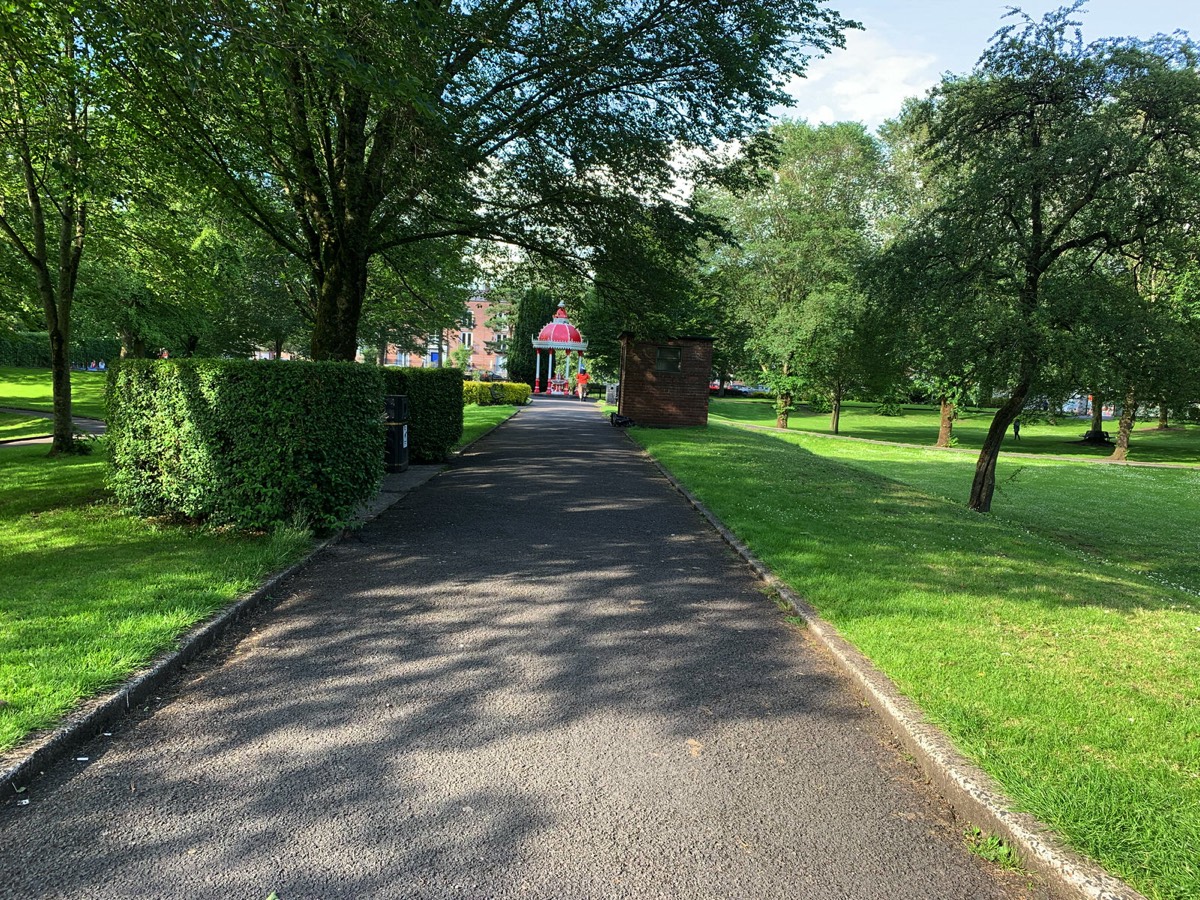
(559, 336)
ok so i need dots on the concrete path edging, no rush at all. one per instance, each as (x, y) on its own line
(971, 792)
(27, 761)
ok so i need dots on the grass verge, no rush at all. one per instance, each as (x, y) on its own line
(919, 425)
(89, 596)
(478, 420)
(1070, 679)
(31, 389)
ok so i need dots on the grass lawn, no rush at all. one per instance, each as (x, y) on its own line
(89, 595)
(13, 426)
(30, 389)
(919, 425)
(477, 420)
(1045, 650)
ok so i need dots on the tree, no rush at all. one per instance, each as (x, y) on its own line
(535, 307)
(793, 267)
(57, 142)
(1044, 153)
(383, 125)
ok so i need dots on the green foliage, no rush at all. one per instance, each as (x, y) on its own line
(31, 350)
(991, 848)
(496, 393)
(435, 403)
(253, 444)
(534, 308)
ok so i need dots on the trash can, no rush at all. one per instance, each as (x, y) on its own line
(395, 415)
(610, 393)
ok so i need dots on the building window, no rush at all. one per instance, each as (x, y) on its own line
(669, 359)
(466, 339)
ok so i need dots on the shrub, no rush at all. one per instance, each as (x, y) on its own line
(496, 393)
(435, 403)
(31, 349)
(253, 444)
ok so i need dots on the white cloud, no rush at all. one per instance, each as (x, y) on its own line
(867, 82)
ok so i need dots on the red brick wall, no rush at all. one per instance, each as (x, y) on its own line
(665, 399)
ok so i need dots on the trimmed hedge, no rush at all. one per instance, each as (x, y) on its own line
(435, 403)
(252, 444)
(496, 393)
(31, 350)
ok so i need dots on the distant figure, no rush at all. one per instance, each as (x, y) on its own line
(1017, 429)
(581, 381)
(100, 365)
(92, 366)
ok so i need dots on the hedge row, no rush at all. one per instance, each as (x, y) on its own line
(435, 402)
(253, 444)
(496, 393)
(31, 349)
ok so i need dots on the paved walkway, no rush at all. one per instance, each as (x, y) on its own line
(82, 424)
(539, 675)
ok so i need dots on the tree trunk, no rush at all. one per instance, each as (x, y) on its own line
(1128, 414)
(1097, 413)
(984, 484)
(783, 409)
(342, 285)
(60, 379)
(278, 348)
(835, 417)
(946, 425)
(1164, 419)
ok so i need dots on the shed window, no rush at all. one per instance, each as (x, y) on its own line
(669, 359)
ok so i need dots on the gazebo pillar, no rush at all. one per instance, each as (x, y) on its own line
(537, 380)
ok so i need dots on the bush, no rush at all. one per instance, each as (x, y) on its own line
(496, 393)
(31, 350)
(435, 403)
(252, 444)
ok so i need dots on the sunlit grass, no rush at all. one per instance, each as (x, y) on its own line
(14, 426)
(31, 389)
(919, 425)
(1065, 672)
(88, 595)
(477, 420)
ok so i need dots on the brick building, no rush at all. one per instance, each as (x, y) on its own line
(488, 346)
(665, 383)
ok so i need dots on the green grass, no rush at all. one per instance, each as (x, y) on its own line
(88, 595)
(31, 389)
(13, 426)
(919, 425)
(478, 420)
(1050, 658)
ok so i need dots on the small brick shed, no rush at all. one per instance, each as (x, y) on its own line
(665, 383)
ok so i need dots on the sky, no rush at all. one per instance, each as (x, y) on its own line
(907, 46)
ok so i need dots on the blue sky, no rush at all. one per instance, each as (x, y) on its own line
(908, 45)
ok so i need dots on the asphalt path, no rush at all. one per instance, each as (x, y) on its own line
(539, 675)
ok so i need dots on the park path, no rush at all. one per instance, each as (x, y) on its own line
(82, 424)
(539, 675)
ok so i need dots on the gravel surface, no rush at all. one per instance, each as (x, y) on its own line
(539, 675)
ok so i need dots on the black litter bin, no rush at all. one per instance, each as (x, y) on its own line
(395, 412)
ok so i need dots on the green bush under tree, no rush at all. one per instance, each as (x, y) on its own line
(435, 403)
(496, 393)
(31, 350)
(252, 444)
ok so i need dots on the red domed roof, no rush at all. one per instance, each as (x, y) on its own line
(560, 333)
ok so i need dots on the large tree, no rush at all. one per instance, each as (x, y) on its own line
(59, 152)
(1044, 155)
(386, 124)
(792, 267)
